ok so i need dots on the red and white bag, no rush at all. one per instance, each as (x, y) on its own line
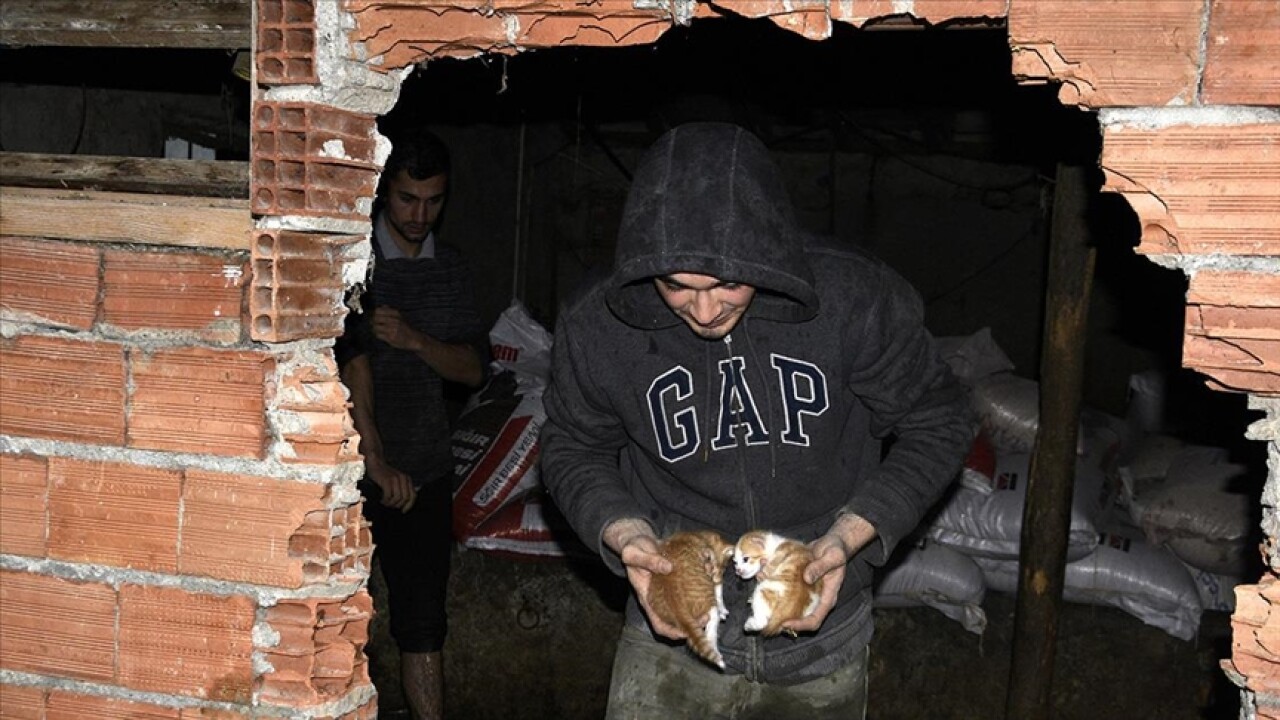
(495, 441)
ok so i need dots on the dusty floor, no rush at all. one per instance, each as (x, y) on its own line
(535, 640)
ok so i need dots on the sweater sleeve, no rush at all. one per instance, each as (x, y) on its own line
(581, 442)
(916, 401)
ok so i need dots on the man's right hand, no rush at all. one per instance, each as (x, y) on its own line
(397, 487)
(636, 545)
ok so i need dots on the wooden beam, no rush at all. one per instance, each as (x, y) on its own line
(1046, 518)
(126, 217)
(202, 178)
(127, 23)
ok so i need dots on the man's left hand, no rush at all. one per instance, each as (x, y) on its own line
(831, 554)
(829, 560)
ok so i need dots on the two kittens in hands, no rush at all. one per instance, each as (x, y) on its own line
(691, 598)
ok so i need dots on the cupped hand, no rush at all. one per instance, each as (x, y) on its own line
(642, 560)
(830, 556)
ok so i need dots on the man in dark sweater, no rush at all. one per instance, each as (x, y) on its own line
(735, 373)
(419, 330)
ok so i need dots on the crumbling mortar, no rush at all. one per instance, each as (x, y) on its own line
(511, 24)
(152, 337)
(346, 79)
(264, 636)
(306, 223)
(145, 340)
(1219, 262)
(1248, 704)
(1264, 699)
(263, 595)
(1269, 429)
(282, 422)
(1159, 118)
(846, 10)
(681, 11)
(153, 249)
(337, 477)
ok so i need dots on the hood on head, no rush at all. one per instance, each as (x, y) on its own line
(708, 199)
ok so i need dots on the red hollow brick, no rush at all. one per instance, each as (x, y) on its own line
(175, 291)
(1210, 287)
(585, 30)
(812, 24)
(1243, 64)
(311, 159)
(19, 702)
(62, 389)
(936, 11)
(174, 641)
(199, 400)
(1199, 189)
(1249, 322)
(239, 527)
(114, 514)
(319, 655)
(286, 43)
(1257, 382)
(57, 627)
(1118, 53)
(48, 281)
(454, 29)
(298, 285)
(74, 706)
(24, 499)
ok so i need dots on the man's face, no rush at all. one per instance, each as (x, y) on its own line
(708, 305)
(413, 206)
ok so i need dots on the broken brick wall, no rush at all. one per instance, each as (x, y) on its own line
(1188, 97)
(1186, 92)
(180, 530)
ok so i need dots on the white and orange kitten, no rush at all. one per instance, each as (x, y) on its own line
(691, 596)
(777, 564)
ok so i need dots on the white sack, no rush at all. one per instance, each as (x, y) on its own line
(521, 345)
(972, 357)
(1198, 511)
(1009, 408)
(990, 524)
(1127, 572)
(1217, 591)
(938, 577)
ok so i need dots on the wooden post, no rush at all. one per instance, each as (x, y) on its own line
(1046, 517)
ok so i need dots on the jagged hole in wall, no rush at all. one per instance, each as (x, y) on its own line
(915, 144)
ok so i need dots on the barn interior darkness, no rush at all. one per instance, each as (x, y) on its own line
(914, 143)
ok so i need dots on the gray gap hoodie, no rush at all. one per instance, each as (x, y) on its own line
(781, 426)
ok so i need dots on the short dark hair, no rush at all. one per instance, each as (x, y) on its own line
(420, 153)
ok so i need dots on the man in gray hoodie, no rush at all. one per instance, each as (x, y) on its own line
(736, 373)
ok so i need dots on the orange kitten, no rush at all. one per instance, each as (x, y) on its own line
(690, 596)
(781, 594)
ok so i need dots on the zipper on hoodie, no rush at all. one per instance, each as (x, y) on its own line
(755, 659)
(749, 498)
